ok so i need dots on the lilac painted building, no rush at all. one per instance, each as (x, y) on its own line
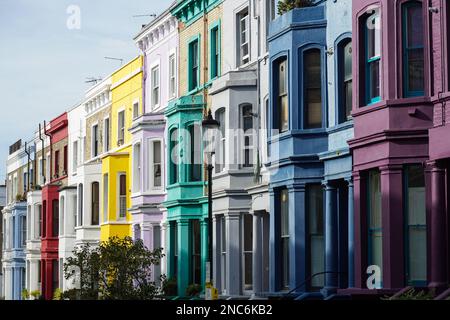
(400, 198)
(158, 42)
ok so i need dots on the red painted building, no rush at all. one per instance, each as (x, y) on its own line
(57, 131)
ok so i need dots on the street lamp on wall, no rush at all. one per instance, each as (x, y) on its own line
(210, 128)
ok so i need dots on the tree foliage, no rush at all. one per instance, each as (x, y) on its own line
(287, 5)
(118, 269)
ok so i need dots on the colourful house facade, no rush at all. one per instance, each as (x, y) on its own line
(126, 90)
(186, 204)
(400, 169)
(158, 42)
(57, 131)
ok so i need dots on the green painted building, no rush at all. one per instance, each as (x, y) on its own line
(199, 64)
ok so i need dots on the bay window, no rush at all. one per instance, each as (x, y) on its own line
(247, 124)
(95, 204)
(220, 157)
(312, 88)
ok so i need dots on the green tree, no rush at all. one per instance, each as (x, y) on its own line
(287, 5)
(119, 269)
(83, 267)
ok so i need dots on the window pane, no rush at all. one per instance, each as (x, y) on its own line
(123, 184)
(316, 234)
(284, 224)
(284, 114)
(313, 89)
(415, 26)
(415, 70)
(282, 78)
(196, 157)
(157, 163)
(373, 36)
(374, 79)
(375, 225)
(416, 222)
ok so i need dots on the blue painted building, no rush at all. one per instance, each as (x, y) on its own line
(19, 169)
(310, 165)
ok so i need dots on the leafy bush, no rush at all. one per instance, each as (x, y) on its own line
(287, 5)
(25, 294)
(118, 269)
(36, 294)
(57, 295)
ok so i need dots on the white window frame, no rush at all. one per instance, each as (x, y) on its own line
(155, 104)
(150, 179)
(93, 141)
(250, 134)
(120, 129)
(241, 59)
(119, 197)
(106, 135)
(172, 91)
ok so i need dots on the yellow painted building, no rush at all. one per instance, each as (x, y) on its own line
(116, 164)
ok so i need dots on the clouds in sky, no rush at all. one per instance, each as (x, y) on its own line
(44, 64)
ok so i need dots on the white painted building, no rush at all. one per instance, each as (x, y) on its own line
(240, 180)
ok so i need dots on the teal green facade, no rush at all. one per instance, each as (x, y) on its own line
(187, 207)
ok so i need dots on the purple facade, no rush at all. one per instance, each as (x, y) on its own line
(158, 42)
(401, 147)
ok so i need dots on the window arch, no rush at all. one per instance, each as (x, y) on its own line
(344, 80)
(413, 49)
(312, 88)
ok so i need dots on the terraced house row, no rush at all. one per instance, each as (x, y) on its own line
(331, 160)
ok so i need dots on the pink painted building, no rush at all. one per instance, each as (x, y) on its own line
(400, 152)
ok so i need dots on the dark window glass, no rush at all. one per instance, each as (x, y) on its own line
(95, 203)
(313, 89)
(316, 239)
(284, 233)
(413, 63)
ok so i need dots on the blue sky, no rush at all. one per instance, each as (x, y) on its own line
(44, 64)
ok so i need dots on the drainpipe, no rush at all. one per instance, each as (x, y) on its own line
(28, 166)
(35, 165)
(258, 89)
(43, 155)
(51, 150)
